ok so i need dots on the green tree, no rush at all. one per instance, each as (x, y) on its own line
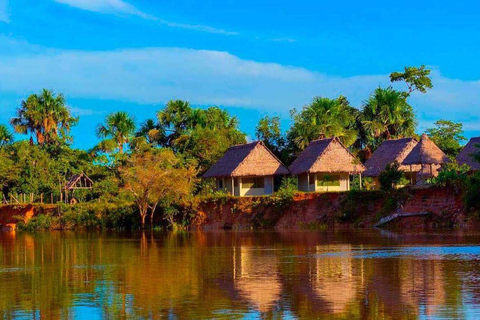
(157, 177)
(45, 116)
(118, 128)
(448, 136)
(6, 136)
(390, 176)
(416, 79)
(201, 134)
(385, 115)
(152, 132)
(323, 118)
(268, 130)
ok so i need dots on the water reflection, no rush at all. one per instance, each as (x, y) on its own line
(269, 275)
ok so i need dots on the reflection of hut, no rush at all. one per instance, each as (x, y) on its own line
(77, 182)
(336, 282)
(256, 278)
(428, 156)
(325, 165)
(390, 151)
(467, 155)
(247, 170)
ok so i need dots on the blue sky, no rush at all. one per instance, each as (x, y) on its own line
(253, 58)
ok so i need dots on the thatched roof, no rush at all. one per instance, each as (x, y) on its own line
(251, 159)
(426, 152)
(466, 156)
(390, 151)
(326, 155)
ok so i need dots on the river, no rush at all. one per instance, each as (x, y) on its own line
(239, 275)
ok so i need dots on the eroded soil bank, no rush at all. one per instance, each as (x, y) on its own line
(338, 210)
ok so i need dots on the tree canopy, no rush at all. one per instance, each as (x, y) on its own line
(448, 136)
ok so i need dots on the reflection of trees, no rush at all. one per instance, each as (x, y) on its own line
(210, 275)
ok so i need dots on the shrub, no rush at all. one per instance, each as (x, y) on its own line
(452, 175)
(286, 192)
(390, 177)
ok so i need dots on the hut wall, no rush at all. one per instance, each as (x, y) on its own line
(318, 183)
(332, 182)
(255, 186)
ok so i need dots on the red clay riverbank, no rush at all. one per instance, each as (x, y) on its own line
(10, 214)
(339, 210)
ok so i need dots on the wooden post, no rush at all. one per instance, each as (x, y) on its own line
(233, 186)
(51, 198)
(41, 198)
(360, 177)
(411, 175)
(308, 182)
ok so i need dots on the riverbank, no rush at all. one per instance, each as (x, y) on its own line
(408, 208)
(431, 208)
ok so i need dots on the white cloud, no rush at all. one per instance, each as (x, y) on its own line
(121, 7)
(156, 75)
(4, 16)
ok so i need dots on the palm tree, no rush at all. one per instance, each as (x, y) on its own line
(151, 131)
(118, 127)
(324, 118)
(45, 116)
(387, 114)
(5, 135)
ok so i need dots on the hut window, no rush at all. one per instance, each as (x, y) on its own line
(328, 181)
(312, 179)
(253, 183)
(220, 183)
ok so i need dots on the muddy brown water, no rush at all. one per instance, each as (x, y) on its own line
(240, 275)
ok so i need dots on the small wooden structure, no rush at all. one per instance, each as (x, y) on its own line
(247, 170)
(390, 151)
(76, 182)
(428, 156)
(324, 166)
(467, 155)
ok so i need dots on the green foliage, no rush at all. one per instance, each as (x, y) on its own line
(390, 177)
(416, 78)
(448, 136)
(118, 128)
(268, 130)
(90, 215)
(6, 136)
(323, 118)
(46, 117)
(386, 115)
(286, 192)
(452, 175)
(354, 203)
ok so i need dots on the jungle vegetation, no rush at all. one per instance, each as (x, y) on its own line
(152, 169)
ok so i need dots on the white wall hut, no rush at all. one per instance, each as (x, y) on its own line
(247, 170)
(325, 166)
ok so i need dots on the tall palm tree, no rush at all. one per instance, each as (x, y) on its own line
(118, 128)
(387, 114)
(6, 136)
(45, 116)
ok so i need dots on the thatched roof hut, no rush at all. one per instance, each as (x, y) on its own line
(79, 181)
(426, 152)
(390, 151)
(328, 156)
(466, 156)
(247, 160)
